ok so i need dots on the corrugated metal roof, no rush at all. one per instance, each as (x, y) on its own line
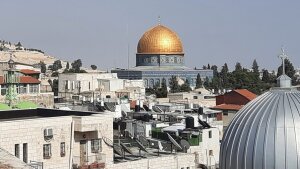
(265, 133)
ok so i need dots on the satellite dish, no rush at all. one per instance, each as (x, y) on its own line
(141, 147)
(174, 142)
(143, 140)
(118, 150)
(126, 148)
(108, 141)
(185, 145)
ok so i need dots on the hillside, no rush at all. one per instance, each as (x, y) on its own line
(22, 54)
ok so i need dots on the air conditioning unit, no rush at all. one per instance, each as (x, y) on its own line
(48, 133)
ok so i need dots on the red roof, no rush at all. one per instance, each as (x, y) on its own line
(228, 107)
(24, 80)
(29, 79)
(29, 71)
(246, 93)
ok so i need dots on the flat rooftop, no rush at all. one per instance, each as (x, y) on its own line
(40, 113)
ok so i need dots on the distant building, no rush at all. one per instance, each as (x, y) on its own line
(230, 103)
(159, 57)
(28, 88)
(194, 99)
(99, 86)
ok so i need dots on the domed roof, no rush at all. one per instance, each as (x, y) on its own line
(160, 40)
(265, 133)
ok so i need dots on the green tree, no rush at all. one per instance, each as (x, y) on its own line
(289, 70)
(238, 67)
(94, 67)
(55, 87)
(266, 76)
(208, 66)
(68, 66)
(18, 45)
(173, 84)
(224, 75)
(215, 70)
(56, 65)
(198, 82)
(76, 65)
(162, 92)
(255, 69)
(43, 67)
(185, 87)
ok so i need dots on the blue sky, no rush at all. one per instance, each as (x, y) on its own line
(99, 31)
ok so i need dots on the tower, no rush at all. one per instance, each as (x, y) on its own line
(11, 79)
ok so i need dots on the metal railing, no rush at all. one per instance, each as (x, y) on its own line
(36, 164)
(92, 161)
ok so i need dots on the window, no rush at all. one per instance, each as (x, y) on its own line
(211, 153)
(47, 151)
(21, 88)
(225, 112)
(195, 97)
(33, 88)
(17, 150)
(3, 90)
(25, 152)
(209, 134)
(96, 145)
(62, 149)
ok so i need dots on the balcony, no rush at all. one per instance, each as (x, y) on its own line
(89, 162)
(83, 124)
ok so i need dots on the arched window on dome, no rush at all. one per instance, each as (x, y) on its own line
(146, 83)
(151, 83)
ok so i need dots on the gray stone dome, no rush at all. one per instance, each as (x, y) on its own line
(265, 133)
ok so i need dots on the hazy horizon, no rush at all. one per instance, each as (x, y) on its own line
(98, 32)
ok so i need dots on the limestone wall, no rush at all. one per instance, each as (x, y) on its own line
(178, 161)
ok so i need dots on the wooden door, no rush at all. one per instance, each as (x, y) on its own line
(83, 152)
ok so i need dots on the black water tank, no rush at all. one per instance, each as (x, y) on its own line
(189, 122)
(200, 110)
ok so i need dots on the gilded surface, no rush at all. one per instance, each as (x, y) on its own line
(160, 40)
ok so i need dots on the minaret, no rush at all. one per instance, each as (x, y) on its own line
(11, 80)
(283, 81)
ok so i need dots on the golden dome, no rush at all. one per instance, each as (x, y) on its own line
(160, 40)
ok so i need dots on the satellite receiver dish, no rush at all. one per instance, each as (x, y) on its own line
(143, 140)
(141, 147)
(174, 142)
(118, 150)
(185, 145)
(108, 141)
(126, 148)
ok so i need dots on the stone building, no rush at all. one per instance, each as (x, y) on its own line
(160, 56)
(56, 138)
